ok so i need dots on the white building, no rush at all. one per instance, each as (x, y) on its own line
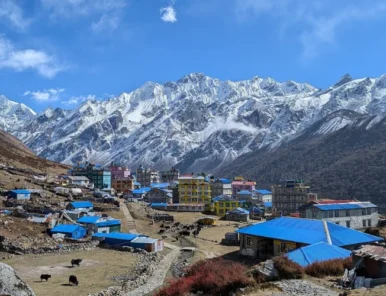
(79, 180)
(263, 195)
(352, 214)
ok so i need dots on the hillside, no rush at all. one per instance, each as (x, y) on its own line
(348, 163)
(14, 153)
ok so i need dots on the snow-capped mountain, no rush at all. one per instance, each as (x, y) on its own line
(197, 122)
(13, 115)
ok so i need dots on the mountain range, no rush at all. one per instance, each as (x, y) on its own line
(198, 123)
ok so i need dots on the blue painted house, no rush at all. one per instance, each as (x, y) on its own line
(116, 238)
(19, 194)
(73, 231)
(99, 224)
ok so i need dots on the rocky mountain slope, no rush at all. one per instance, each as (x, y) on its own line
(16, 154)
(198, 122)
(348, 163)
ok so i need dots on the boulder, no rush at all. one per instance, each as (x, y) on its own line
(11, 284)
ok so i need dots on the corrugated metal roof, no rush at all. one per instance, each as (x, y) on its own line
(117, 235)
(108, 223)
(223, 197)
(268, 204)
(137, 183)
(240, 211)
(159, 185)
(21, 191)
(225, 181)
(308, 232)
(88, 219)
(141, 190)
(377, 253)
(158, 204)
(82, 204)
(143, 240)
(246, 192)
(78, 178)
(317, 252)
(66, 228)
(345, 206)
(263, 191)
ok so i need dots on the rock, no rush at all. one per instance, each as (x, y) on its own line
(11, 284)
(267, 270)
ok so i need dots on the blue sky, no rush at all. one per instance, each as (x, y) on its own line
(61, 52)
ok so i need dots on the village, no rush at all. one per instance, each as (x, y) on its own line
(127, 233)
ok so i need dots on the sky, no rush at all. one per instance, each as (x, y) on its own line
(61, 52)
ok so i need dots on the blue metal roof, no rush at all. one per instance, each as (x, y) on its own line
(108, 223)
(268, 204)
(244, 192)
(88, 219)
(223, 197)
(21, 191)
(137, 183)
(82, 204)
(159, 185)
(141, 190)
(240, 211)
(308, 232)
(65, 228)
(317, 252)
(347, 206)
(255, 210)
(143, 240)
(263, 191)
(117, 235)
(225, 181)
(158, 204)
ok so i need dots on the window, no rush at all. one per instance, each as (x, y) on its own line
(233, 204)
(331, 214)
(369, 223)
(336, 213)
(325, 214)
(363, 212)
(348, 224)
(364, 223)
(249, 241)
(283, 248)
(368, 211)
(337, 223)
(347, 213)
(221, 204)
(221, 211)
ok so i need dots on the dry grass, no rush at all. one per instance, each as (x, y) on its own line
(94, 274)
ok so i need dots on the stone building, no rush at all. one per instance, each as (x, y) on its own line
(352, 214)
(288, 198)
(221, 187)
(146, 176)
(170, 176)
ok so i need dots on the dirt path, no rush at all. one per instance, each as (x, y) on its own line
(129, 220)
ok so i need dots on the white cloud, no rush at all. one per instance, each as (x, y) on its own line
(11, 12)
(320, 25)
(106, 22)
(47, 95)
(107, 14)
(168, 14)
(27, 59)
(79, 99)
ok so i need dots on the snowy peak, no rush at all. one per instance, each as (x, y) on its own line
(345, 79)
(13, 115)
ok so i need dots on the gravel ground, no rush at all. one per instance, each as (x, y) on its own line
(158, 277)
(302, 288)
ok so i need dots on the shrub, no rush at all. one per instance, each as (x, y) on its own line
(214, 277)
(373, 231)
(287, 269)
(332, 267)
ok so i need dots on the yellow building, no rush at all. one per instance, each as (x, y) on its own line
(221, 205)
(194, 190)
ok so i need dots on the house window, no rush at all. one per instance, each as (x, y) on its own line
(221, 204)
(368, 211)
(337, 223)
(331, 214)
(336, 213)
(369, 223)
(364, 223)
(347, 213)
(363, 212)
(249, 241)
(348, 224)
(283, 248)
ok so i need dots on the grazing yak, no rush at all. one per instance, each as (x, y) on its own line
(44, 277)
(76, 262)
(73, 280)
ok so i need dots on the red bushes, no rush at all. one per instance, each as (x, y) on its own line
(287, 269)
(213, 277)
(328, 268)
